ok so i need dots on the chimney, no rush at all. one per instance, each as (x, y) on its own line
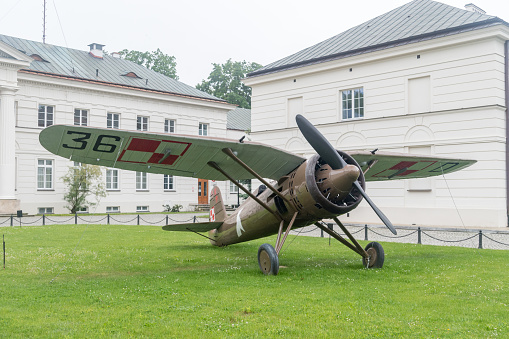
(96, 50)
(474, 8)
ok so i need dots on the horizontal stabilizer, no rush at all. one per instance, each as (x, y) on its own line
(193, 227)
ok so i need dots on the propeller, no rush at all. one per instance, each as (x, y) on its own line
(328, 153)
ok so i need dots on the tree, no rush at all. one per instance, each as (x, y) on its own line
(225, 82)
(83, 181)
(156, 61)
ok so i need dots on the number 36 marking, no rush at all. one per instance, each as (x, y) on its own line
(82, 141)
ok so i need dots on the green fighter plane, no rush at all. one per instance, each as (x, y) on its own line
(301, 192)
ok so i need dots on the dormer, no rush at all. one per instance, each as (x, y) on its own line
(37, 57)
(96, 50)
(131, 75)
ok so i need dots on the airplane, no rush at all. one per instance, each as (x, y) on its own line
(302, 191)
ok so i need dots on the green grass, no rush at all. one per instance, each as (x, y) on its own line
(138, 281)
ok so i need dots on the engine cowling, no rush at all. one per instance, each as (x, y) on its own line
(322, 185)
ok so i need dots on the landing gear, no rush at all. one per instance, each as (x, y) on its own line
(376, 256)
(268, 260)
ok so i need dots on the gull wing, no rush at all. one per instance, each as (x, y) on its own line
(391, 166)
(166, 153)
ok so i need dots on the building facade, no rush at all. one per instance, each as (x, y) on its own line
(43, 85)
(424, 78)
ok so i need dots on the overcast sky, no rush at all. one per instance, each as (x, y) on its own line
(200, 32)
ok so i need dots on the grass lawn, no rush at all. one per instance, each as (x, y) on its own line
(139, 281)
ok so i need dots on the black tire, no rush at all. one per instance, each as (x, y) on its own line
(376, 256)
(268, 260)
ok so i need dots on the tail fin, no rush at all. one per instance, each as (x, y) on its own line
(217, 210)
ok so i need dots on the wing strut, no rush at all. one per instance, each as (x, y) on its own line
(232, 155)
(216, 167)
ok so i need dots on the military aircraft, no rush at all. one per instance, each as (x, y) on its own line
(303, 191)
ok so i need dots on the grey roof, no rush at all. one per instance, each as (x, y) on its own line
(239, 119)
(413, 22)
(77, 64)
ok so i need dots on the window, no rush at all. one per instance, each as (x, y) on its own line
(169, 184)
(142, 209)
(142, 123)
(113, 121)
(45, 117)
(44, 174)
(203, 129)
(112, 179)
(112, 209)
(141, 181)
(82, 210)
(80, 117)
(45, 210)
(233, 188)
(352, 103)
(169, 126)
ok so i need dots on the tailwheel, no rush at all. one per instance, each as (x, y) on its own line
(376, 256)
(268, 260)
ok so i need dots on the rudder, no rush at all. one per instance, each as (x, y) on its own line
(217, 210)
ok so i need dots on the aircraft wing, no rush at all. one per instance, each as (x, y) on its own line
(194, 227)
(391, 166)
(166, 153)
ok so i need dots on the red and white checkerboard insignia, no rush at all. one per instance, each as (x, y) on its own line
(212, 214)
(148, 151)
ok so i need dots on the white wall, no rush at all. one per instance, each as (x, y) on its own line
(465, 119)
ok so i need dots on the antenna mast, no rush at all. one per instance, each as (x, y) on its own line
(44, 24)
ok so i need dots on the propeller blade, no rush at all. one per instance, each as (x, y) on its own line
(378, 212)
(321, 145)
(328, 153)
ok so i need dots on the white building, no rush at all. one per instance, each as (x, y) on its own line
(42, 84)
(423, 78)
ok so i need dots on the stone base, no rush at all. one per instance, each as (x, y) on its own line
(9, 206)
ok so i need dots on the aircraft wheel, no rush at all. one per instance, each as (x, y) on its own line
(268, 260)
(376, 256)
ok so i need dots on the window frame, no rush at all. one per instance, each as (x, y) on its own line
(117, 209)
(80, 117)
(167, 125)
(112, 185)
(356, 104)
(142, 123)
(142, 209)
(46, 209)
(234, 189)
(45, 119)
(141, 181)
(167, 184)
(203, 129)
(45, 167)
(111, 121)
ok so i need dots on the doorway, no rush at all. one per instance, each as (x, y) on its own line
(203, 192)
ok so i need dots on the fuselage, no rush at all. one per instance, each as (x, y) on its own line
(313, 190)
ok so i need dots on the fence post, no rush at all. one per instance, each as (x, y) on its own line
(12, 219)
(75, 218)
(366, 232)
(480, 239)
(419, 235)
(138, 219)
(194, 219)
(166, 219)
(321, 231)
(108, 218)
(43, 219)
